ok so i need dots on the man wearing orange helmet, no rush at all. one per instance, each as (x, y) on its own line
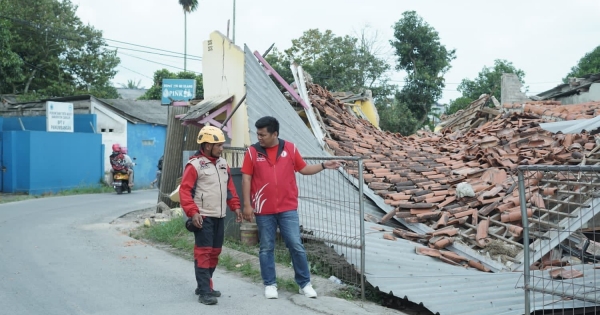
(205, 191)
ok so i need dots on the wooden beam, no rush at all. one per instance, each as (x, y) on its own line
(173, 156)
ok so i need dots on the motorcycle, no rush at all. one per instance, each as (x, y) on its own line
(121, 182)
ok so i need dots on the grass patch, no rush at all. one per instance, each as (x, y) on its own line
(253, 273)
(281, 256)
(174, 234)
(101, 189)
(84, 190)
(14, 198)
(171, 233)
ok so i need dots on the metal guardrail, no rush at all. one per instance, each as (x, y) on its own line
(331, 212)
(558, 206)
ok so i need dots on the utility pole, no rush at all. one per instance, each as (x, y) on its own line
(185, 42)
(233, 21)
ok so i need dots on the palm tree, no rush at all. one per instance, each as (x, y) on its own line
(131, 84)
(188, 6)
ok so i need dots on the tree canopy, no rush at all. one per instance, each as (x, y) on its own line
(338, 63)
(132, 84)
(419, 52)
(487, 81)
(588, 64)
(155, 92)
(48, 52)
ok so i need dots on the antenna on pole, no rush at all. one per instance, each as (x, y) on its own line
(233, 31)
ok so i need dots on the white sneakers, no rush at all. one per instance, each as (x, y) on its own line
(271, 292)
(308, 291)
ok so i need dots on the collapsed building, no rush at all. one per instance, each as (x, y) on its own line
(443, 223)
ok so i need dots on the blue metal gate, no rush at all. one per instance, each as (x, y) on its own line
(2, 168)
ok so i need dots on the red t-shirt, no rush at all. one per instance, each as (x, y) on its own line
(248, 166)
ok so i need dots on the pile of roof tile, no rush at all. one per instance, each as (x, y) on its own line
(419, 174)
(554, 111)
(476, 114)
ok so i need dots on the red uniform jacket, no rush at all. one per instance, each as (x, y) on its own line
(273, 188)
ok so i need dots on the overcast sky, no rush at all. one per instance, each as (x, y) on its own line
(545, 38)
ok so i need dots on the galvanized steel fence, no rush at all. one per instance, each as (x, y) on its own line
(559, 207)
(331, 213)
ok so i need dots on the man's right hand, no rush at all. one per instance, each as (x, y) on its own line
(197, 220)
(247, 213)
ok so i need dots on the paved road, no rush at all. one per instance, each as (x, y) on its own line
(60, 255)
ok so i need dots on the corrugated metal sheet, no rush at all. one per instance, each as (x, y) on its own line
(263, 98)
(393, 266)
(196, 111)
(150, 111)
(572, 126)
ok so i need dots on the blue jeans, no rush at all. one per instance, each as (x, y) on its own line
(289, 227)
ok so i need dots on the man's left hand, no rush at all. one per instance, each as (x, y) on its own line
(333, 164)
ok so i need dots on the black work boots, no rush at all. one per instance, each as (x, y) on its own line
(212, 293)
(208, 299)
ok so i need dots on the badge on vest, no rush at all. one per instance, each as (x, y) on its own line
(203, 164)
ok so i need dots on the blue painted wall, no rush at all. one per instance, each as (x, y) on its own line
(81, 123)
(1, 165)
(40, 162)
(145, 143)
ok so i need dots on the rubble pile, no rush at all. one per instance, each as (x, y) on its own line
(462, 183)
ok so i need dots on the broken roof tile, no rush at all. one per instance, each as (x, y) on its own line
(418, 174)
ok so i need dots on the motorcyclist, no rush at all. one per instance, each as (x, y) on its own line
(117, 161)
(129, 164)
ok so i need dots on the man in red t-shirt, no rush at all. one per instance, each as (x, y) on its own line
(270, 191)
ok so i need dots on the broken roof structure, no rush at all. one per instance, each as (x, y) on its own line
(575, 87)
(428, 239)
(414, 180)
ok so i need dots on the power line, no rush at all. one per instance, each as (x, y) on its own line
(147, 47)
(70, 35)
(153, 53)
(162, 64)
(136, 72)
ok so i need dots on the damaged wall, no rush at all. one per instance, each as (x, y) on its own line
(510, 90)
(223, 73)
(590, 96)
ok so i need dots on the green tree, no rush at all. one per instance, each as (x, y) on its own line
(60, 56)
(489, 80)
(338, 63)
(397, 118)
(588, 64)
(11, 63)
(425, 60)
(155, 92)
(131, 84)
(188, 6)
(458, 104)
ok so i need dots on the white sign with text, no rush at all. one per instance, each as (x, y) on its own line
(59, 117)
